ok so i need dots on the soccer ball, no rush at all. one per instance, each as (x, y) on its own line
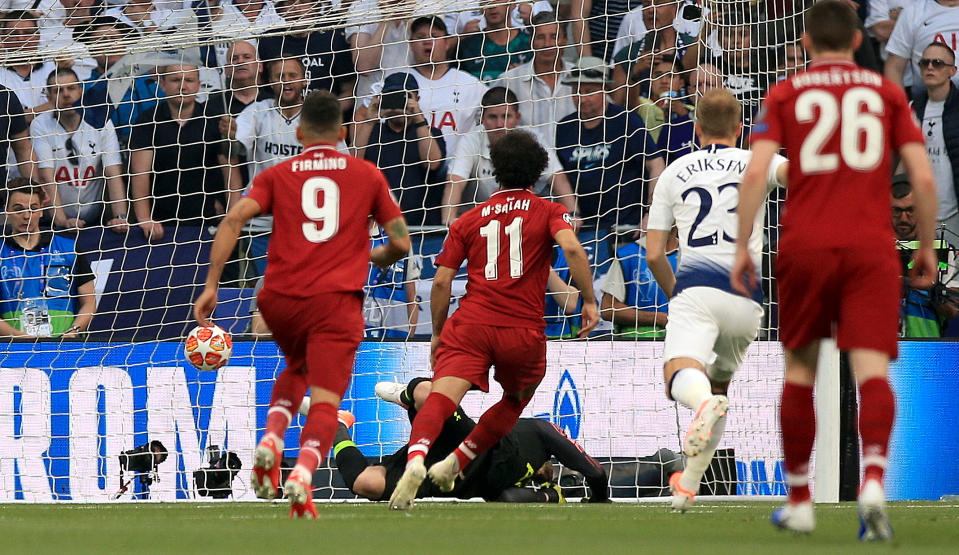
(208, 347)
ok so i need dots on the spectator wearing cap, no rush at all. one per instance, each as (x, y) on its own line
(100, 106)
(27, 78)
(924, 311)
(937, 107)
(538, 84)
(499, 47)
(394, 134)
(449, 97)
(605, 151)
(471, 170)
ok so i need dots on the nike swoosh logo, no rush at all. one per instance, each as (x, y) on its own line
(927, 23)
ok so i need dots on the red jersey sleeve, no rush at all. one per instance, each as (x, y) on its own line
(262, 191)
(384, 205)
(905, 128)
(558, 218)
(768, 124)
(454, 250)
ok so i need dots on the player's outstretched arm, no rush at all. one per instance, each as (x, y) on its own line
(396, 247)
(223, 244)
(579, 269)
(751, 193)
(657, 261)
(916, 160)
(572, 456)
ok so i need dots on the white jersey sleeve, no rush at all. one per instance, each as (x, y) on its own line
(109, 146)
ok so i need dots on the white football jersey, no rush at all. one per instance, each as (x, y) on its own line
(699, 192)
(450, 103)
(78, 165)
(267, 135)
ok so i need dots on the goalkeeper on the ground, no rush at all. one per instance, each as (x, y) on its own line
(500, 474)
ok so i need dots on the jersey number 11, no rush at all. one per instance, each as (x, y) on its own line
(514, 232)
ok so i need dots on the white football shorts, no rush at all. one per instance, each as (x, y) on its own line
(711, 326)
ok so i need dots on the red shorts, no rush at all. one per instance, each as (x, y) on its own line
(468, 350)
(854, 291)
(318, 335)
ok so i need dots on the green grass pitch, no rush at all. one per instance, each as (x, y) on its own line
(731, 527)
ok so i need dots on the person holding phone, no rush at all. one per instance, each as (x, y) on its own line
(393, 133)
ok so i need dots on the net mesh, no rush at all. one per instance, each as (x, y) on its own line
(145, 121)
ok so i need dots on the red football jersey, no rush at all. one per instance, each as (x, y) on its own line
(507, 243)
(321, 201)
(839, 124)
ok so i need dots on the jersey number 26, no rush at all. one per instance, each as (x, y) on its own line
(324, 218)
(854, 124)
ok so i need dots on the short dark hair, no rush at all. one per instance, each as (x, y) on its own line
(59, 72)
(497, 96)
(518, 160)
(18, 15)
(428, 21)
(321, 113)
(548, 17)
(901, 186)
(831, 25)
(944, 46)
(25, 186)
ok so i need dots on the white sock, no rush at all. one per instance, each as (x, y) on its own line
(691, 388)
(696, 466)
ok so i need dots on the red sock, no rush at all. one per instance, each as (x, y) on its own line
(288, 391)
(428, 424)
(495, 423)
(316, 440)
(876, 414)
(797, 417)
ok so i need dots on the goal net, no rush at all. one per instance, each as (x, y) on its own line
(143, 122)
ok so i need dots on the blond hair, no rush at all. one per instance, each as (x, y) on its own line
(719, 114)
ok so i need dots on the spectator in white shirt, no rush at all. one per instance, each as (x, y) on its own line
(538, 84)
(920, 23)
(938, 109)
(26, 76)
(76, 158)
(449, 97)
(379, 44)
(472, 172)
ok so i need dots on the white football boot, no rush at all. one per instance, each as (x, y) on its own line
(873, 520)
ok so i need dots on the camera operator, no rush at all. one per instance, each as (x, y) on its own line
(924, 311)
(394, 134)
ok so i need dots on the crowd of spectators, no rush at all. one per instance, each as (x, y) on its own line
(147, 114)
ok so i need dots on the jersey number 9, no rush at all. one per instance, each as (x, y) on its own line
(324, 218)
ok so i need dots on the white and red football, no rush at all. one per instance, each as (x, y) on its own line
(208, 347)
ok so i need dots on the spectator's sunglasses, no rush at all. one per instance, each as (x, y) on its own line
(72, 156)
(937, 63)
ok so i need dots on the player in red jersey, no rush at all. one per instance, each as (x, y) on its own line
(837, 267)
(312, 298)
(507, 243)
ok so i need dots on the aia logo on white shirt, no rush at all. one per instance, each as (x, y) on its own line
(70, 176)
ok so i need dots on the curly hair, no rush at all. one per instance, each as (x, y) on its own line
(518, 160)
